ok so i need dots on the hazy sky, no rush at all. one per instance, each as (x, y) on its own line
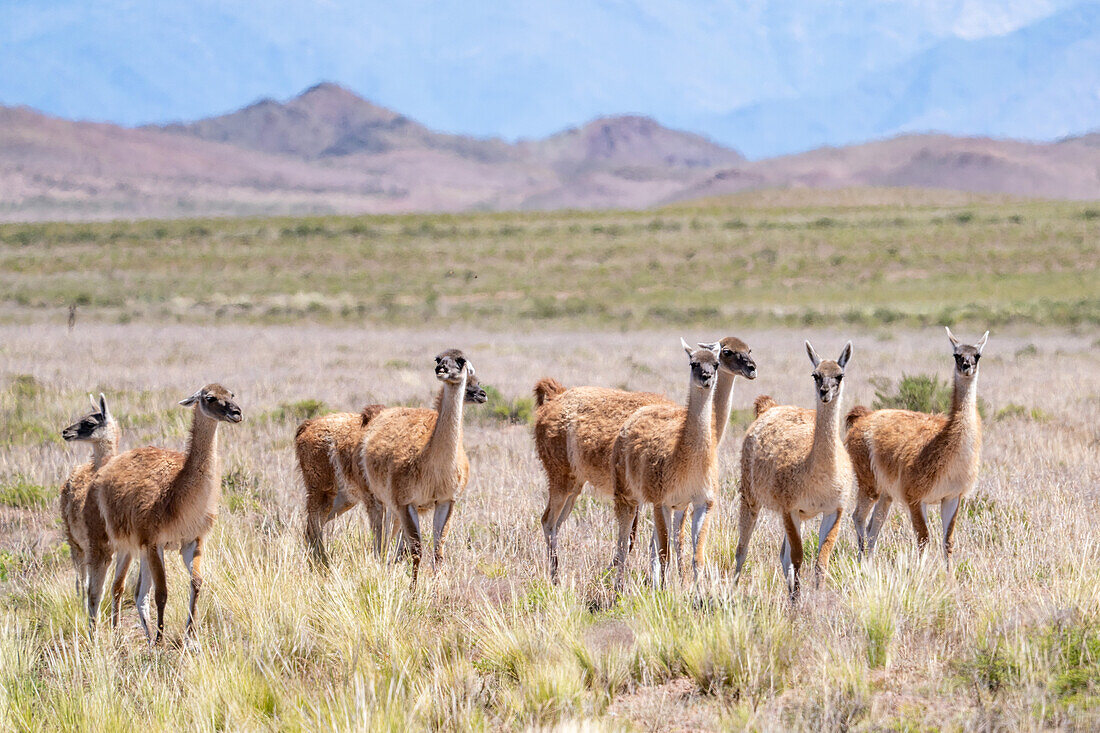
(488, 68)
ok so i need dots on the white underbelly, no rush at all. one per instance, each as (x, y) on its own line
(948, 485)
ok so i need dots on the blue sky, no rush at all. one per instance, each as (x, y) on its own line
(512, 69)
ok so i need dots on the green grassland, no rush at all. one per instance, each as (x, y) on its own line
(765, 260)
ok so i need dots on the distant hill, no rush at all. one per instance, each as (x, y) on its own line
(328, 150)
(1067, 169)
(327, 120)
(617, 142)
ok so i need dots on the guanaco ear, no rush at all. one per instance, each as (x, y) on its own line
(95, 405)
(981, 342)
(685, 345)
(192, 399)
(845, 355)
(814, 358)
(715, 346)
(103, 406)
(469, 369)
(954, 341)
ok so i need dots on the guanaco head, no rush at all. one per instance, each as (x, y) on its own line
(97, 425)
(216, 402)
(828, 374)
(451, 365)
(734, 356)
(474, 392)
(967, 356)
(704, 365)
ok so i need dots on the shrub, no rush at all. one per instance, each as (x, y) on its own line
(300, 410)
(22, 494)
(9, 565)
(1013, 410)
(990, 666)
(1074, 653)
(741, 418)
(241, 490)
(517, 411)
(20, 419)
(25, 387)
(920, 392)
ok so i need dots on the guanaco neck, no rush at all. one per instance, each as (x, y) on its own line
(964, 422)
(698, 431)
(105, 448)
(964, 396)
(723, 404)
(448, 426)
(827, 431)
(200, 468)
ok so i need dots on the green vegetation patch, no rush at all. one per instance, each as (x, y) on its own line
(20, 493)
(515, 410)
(1074, 651)
(915, 263)
(1013, 411)
(296, 411)
(919, 392)
(21, 419)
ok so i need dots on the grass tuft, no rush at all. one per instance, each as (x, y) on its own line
(19, 493)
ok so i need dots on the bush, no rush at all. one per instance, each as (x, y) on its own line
(517, 411)
(989, 665)
(919, 392)
(241, 490)
(21, 494)
(1013, 410)
(1074, 654)
(20, 419)
(300, 410)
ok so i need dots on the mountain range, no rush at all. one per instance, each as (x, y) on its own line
(767, 77)
(328, 150)
(1041, 81)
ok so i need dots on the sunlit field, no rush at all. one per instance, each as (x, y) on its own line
(1007, 639)
(794, 258)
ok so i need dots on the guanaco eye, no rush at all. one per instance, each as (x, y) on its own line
(727, 353)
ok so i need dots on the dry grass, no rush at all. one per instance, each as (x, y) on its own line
(1010, 640)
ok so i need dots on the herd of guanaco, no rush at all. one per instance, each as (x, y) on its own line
(634, 448)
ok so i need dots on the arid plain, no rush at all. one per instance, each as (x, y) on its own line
(301, 317)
